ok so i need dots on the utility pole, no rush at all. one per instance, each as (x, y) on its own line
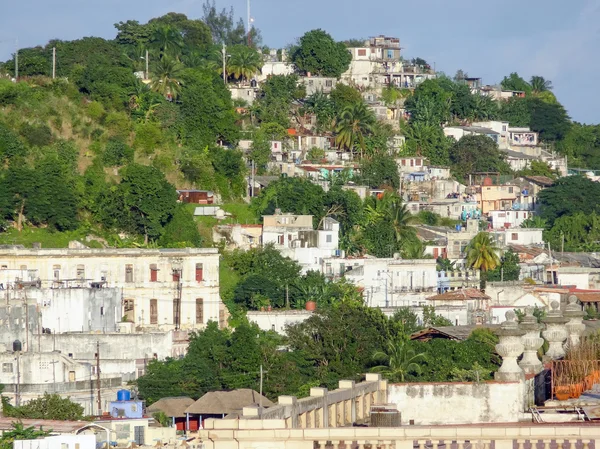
(18, 390)
(147, 63)
(261, 389)
(249, 26)
(16, 60)
(252, 185)
(53, 62)
(224, 52)
(98, 377)
(287, 296)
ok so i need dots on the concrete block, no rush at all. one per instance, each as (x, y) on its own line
(417, 432)
(296, 433)
(256, 435)
(367, 433)
(220, 435)
(225, 424)
(542, 431)
(567, 431)
(443, 432)
(209, 424)
(346, 384)
(318, 392)
(251, 411)
(282, 433)
(316, 434)
(251, 424)
(372, 377)
(287, 400)
(468, 432)
(590, 432)
(231, 444)
(492, 432)
(391, 432)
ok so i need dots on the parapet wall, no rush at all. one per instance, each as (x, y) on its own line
(459, 403)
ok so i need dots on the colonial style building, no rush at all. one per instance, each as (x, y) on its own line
(160, 288)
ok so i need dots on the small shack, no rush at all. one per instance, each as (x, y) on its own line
(174, 408)
(196, 196)
(219, 404)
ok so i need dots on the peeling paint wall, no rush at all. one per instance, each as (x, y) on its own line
(458, 403)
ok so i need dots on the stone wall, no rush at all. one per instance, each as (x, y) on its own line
(458, 403)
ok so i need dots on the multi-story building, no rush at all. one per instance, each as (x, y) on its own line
(159, 288)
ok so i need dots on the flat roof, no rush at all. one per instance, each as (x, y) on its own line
(94, 252)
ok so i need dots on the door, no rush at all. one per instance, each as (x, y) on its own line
(138, 434)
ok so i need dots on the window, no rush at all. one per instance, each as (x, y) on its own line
(199, 310)
(328, 83)
(199, 272)
(7, 367)
(362, 52)
(310, 82)
(129, 309)
(23, 267)
(153, 311)
(102, 310)
(44, 365)
(403, 162)
(281, 239)
(71, 376)
(510, 190)
(176, 312)
(329, 238)
(56, 271)
(128, 273)
(514, 236)
(153, 273)
(418, 162)
(328, 269)
(412, 162)
(80, 271)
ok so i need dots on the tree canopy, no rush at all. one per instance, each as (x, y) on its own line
(317, 53)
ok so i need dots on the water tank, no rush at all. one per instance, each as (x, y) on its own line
(488, 181)
(310, 306)
(385, 416)
(17, 346)
(123, 395)
(459, 227)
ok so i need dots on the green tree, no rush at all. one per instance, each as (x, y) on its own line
(482, 255)
(568, 196)
(148, 200)
(549, 119)
(48, 406)
(166, 77)
(539, 168)
(535, 221)
(260, 151)
(380, 171)
(181, 230)
(10, 144)
(432, 319)
(244, 62)
(344, 96)
(207, 111)
(400, 359)
(319, 54)
(274, 103)
(406, 321)
(430, 103)
(516, 111)
(117, 153)
(290, 195)
(508, 270)
(477, 153)
(540, 84)
(516, 83)
(353, 125)
(428, 141)
(224, 29)
(167, 41)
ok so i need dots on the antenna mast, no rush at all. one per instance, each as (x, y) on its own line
(249, 25)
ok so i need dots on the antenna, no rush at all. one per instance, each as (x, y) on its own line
(249, 24)
(17, 59)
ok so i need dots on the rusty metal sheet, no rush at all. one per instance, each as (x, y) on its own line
(592, 412)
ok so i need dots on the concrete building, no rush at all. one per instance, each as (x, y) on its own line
(296, 238)
(504, 219)
(238, 236)
(163, 289)
(278, 320)
(581, 277)
(314, 84)
(58, 442)
(519, 236)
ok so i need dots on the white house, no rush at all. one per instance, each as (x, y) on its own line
(277, 320)
(519, 236)
(504, 219)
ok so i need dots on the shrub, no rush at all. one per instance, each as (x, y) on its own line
(117, 152)
(36, 135)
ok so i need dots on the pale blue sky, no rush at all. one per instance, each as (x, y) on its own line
(555, 39)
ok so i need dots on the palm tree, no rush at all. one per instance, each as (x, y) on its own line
(399, 359)
(244, 62)
(166, 79)
(482, 254)
(534, 222)
(540, 84)
(167, 41)
(355, 122)
(413, 249)
(446, 265)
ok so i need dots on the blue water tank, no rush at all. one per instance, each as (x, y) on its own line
(123, 395)
(459, 227)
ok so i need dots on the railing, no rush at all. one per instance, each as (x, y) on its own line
(248, 433)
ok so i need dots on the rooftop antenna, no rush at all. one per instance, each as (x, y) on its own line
(249, 24)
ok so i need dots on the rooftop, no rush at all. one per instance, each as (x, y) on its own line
(173, 407)
(463, 294)
(226, 402)
(458, 333)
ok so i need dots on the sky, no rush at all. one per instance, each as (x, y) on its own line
(489, 39)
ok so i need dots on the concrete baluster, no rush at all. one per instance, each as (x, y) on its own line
(510, 347)
(555, 333)
(585, 444)
(573, 443)
(422, 444)
(461, 445)
(547, 443)
(520, 444)
(530, 363)
(435, 444)
(574, 313)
